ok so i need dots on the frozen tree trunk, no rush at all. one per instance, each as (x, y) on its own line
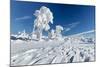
(39, 33)
(39, 36)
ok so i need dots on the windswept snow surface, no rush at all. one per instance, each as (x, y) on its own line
(52, 51)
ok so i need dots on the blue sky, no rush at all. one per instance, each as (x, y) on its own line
(74, 18)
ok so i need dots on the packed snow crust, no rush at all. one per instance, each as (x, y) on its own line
(53, 51)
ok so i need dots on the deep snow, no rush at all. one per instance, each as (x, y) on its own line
(64, 50)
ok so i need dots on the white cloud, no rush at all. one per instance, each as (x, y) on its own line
(86, 32)
(67, 29)
(74, 24)
(22, 18)
(70, 26)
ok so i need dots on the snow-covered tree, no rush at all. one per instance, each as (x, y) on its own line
(51, 34)
(58, 31)
(55, 33)
(43, 17)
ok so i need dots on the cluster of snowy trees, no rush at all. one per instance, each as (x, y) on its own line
(43, 18)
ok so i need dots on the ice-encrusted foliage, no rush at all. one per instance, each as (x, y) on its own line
(43, 17)
(58, 30)
(56, 34)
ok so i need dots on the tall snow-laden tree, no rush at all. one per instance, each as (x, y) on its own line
(43, 17)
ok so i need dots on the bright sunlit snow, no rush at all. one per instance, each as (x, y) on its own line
(67, 50)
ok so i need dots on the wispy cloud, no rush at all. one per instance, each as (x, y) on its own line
(22, 18)
(86, 32)
(74, 24)
(70, 26)
(67, 29)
